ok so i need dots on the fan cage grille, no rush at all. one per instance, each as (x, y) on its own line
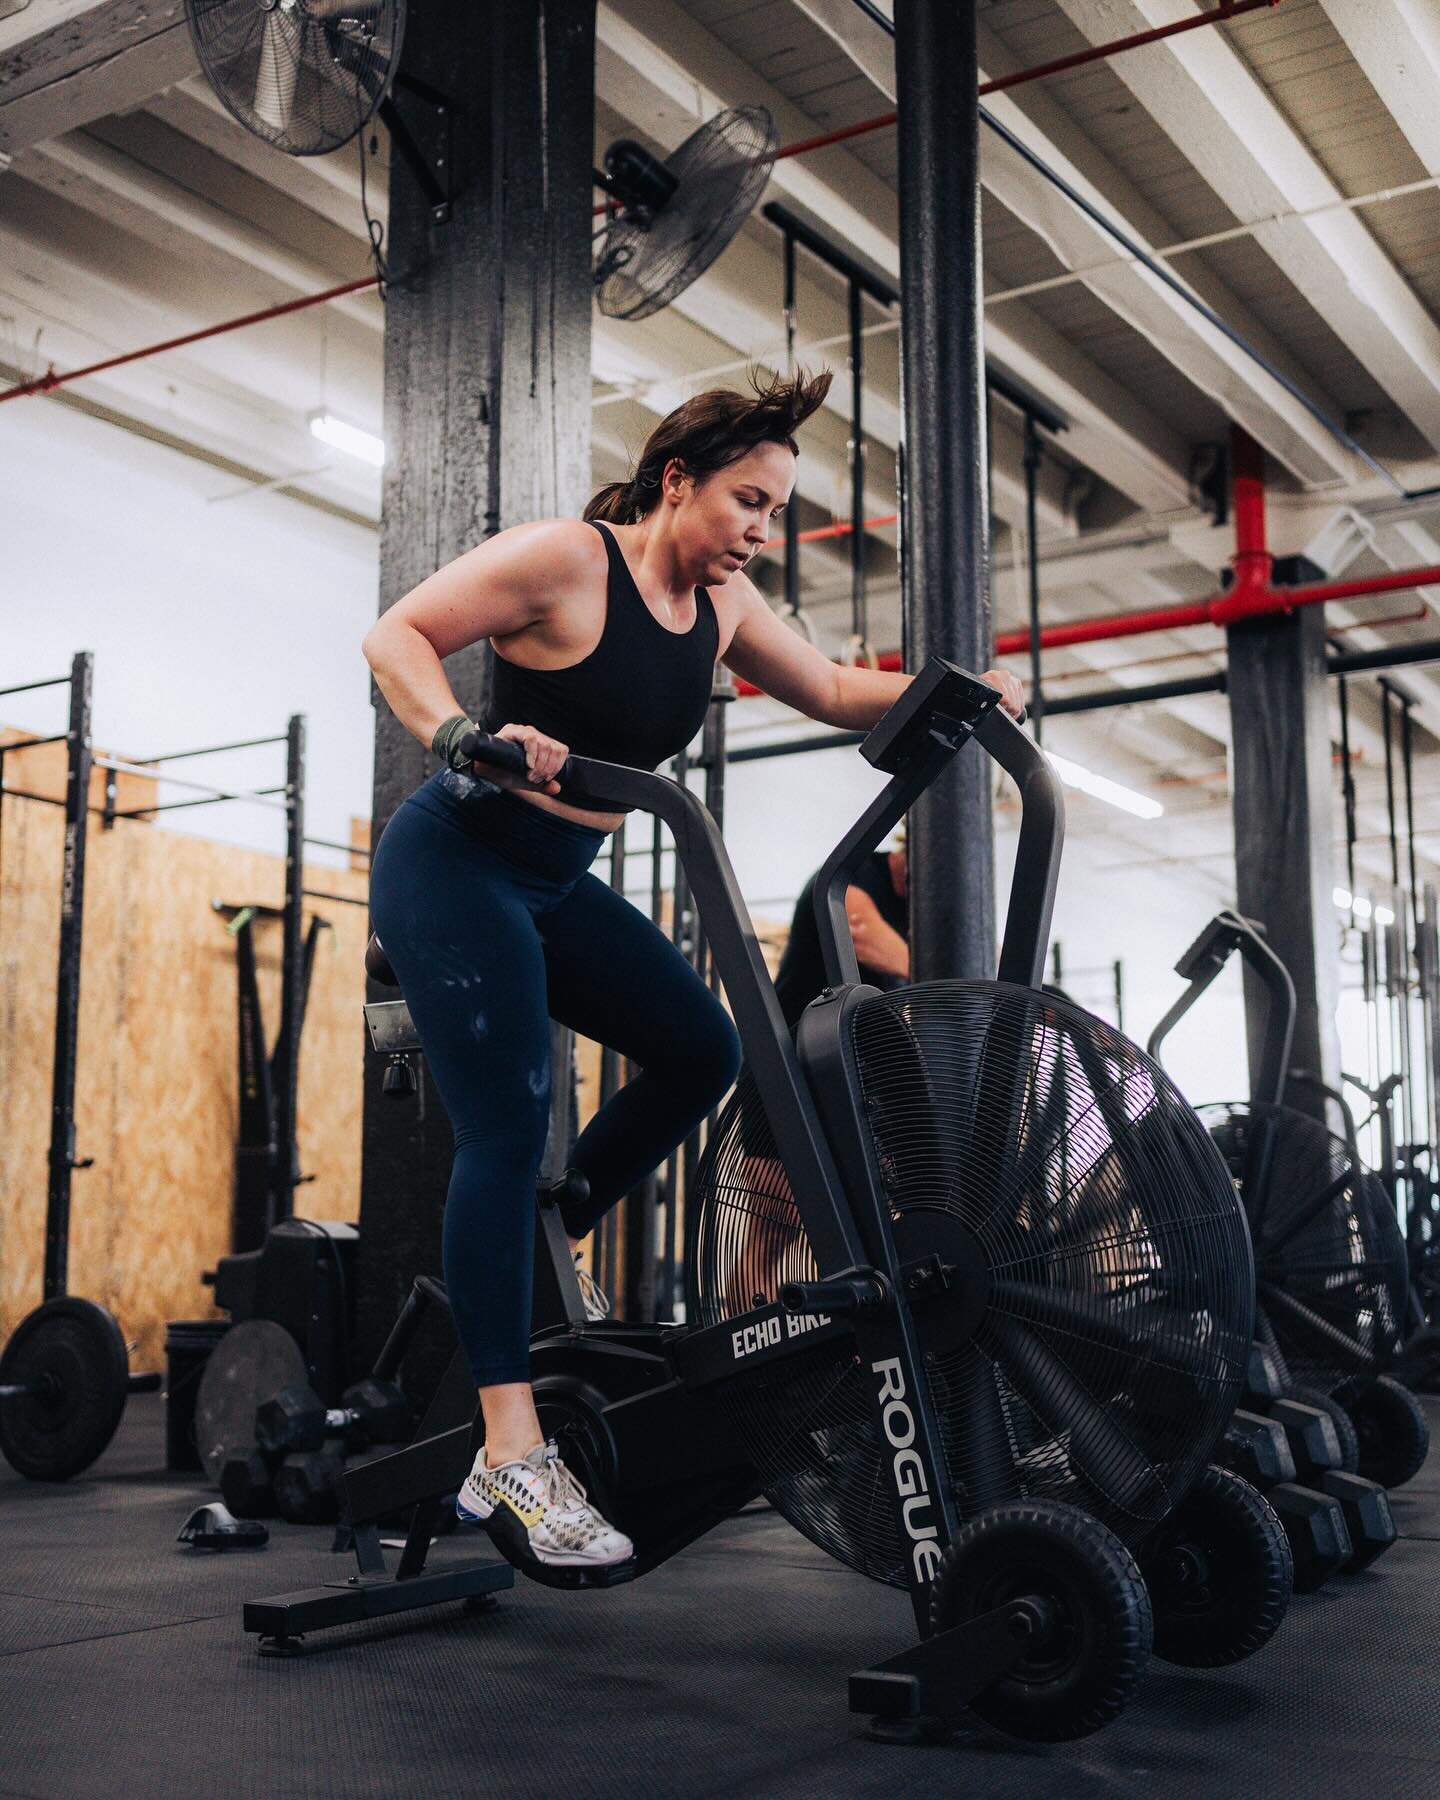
(720, 171)
(304, 75)
(1345, 1263)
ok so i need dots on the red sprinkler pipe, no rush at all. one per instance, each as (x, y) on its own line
(841, 528)
(1250, 595)
(50, 380)
(1217, 609)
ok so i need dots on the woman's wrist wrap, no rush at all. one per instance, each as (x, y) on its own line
(446, 742)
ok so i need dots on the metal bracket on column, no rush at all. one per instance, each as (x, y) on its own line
(423, 139)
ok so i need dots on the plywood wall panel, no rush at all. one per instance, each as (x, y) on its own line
(156, 1089)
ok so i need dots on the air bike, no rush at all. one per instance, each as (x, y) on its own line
(968, 1297)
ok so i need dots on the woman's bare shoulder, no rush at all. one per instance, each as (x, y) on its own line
(554, 550)
(520, 577)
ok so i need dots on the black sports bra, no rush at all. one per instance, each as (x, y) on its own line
(637, 698)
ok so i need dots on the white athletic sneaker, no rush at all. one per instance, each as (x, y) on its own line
(597, 1301)
(537, 1512)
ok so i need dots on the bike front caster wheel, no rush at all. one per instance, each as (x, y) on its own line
(1088, 1625)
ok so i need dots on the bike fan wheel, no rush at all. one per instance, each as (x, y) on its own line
(1100, 1344)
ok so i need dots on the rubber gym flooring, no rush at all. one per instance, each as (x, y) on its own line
(124, 1670)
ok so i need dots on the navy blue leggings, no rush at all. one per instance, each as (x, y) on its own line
(493, 926)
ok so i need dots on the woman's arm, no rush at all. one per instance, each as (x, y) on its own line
(767, 653)
(878, 945)
(509, 582)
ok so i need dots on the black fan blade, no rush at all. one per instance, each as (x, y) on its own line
(1270, 1242)
(1098, 1448)
(984, 1442)
(1288, 1307)
(1177, 1349)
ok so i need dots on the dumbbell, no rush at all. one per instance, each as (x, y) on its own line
(1258, 1449)
(1368, 1518)
(1312, 1422)
(246, 1485)
(308, 1484)
(1264, 1378)
(1314, 1442)
(1319, 1538)
(296, 1419)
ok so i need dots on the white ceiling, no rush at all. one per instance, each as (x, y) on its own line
(134, 209)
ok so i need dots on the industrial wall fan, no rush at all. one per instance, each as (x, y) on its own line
(304, 75)
(670, 220)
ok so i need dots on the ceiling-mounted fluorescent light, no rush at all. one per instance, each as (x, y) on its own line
(350, 438)
(1102, 788)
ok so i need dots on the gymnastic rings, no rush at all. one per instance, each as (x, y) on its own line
(858, 653)
(803, 623)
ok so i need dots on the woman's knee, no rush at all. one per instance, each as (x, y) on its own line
(710, 1054)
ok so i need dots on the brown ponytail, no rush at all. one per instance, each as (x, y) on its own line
(710, 432)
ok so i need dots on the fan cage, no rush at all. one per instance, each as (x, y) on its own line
(1112, 1348)
(304, 75)
(721, 170)
(1344, 1263)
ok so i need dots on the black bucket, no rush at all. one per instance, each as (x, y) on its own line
(188, 1343)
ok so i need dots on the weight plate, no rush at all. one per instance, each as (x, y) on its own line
(250, 1363)
(71, 1356)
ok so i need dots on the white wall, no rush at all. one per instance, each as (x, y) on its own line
(210, 621)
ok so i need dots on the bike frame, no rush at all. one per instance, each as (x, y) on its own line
(810, 1088)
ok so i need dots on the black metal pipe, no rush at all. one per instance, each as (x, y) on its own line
(278, 737)
(859, 624)
(60, 737)
(945, 523)
(1385, 692)
(610, 1057)
(292, 1006)
(1347, 788)
(1391, 656)
(144, 812)
(722, 694)
(349, 849)
(669, 1176)
(29, 687)
(876, 286)
(792, 511)
(1407, 770)
(828, 740)
(25, 794)
(67, 985)
(1032, 557)
(886, 295)
(1136, 696)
